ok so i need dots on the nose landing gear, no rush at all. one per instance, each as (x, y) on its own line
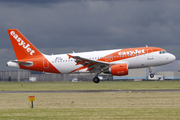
(151, 74)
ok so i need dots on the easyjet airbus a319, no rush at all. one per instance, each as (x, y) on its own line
(115, 62)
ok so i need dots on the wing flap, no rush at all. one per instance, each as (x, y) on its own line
(89, 64)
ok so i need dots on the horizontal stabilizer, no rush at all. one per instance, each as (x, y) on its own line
(15, 63)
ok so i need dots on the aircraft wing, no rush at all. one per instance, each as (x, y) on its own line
(90, 64)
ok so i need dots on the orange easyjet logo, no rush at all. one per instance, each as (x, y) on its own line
(132, 52)
(26, 46)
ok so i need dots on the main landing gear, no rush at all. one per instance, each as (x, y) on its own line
(151, 74)
(96, 78)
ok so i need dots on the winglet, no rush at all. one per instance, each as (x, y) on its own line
(70, 56)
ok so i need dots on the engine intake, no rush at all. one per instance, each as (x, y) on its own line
(118, 69)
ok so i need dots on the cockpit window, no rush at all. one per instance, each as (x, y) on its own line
(162, 52)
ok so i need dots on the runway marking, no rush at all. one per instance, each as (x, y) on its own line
(88, 91)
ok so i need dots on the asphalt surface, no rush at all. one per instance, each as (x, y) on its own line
(88, 91)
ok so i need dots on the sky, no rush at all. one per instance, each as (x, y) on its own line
(63, 26)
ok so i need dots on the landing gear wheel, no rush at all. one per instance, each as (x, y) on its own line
(96, 80)
(151, 75)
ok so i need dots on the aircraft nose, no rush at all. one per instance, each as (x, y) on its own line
(172, 57)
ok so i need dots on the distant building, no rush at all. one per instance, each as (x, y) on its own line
(26, 75)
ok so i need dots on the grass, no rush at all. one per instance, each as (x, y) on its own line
(26, 86)
(92, 113)
(88, 106)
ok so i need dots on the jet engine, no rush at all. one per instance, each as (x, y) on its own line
(118, 69)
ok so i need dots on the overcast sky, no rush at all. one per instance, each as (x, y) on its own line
(63, 26)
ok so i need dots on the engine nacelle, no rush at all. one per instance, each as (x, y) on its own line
(118, 69)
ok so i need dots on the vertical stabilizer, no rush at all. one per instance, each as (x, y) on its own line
(22, 47)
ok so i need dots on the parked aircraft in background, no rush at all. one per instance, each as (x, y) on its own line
(115, 62)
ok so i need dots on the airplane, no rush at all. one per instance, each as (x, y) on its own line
(115, 62)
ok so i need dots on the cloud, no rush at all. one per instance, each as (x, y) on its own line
(96, 22)
(37, 1)
(84, 25)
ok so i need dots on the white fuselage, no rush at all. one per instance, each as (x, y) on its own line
(66, 65)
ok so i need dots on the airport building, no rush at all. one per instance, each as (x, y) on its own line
(26, 75)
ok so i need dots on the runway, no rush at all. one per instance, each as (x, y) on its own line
(89, 91)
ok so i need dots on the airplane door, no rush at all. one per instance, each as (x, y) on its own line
(149, 54)
(45, 63)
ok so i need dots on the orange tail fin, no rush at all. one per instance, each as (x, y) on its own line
(22, 47)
